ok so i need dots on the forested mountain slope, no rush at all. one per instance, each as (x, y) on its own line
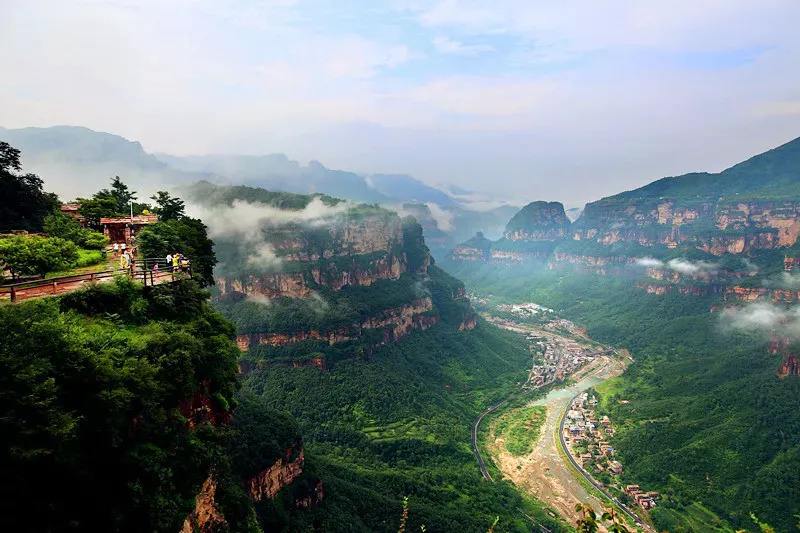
(697, 276)
(376, 352)
(120, 414)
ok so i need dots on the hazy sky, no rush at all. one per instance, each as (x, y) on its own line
(566, 100)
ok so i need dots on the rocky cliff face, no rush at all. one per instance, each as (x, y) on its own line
(763, 294)
(280, 474)
(538, 221)
(712, 226)
(394, 323)
(206, 516)
(352, 251)
(363, 279)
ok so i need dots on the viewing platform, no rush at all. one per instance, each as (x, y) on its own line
(141, 270)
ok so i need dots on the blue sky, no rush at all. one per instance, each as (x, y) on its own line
(526, 100)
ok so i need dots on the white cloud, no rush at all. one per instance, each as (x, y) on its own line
(248, 224)
(443, 218)
(692, 268)
(579, 100)
(649, 262)
(763, 318)
(681, 266)
(446, 45)
(784, 280)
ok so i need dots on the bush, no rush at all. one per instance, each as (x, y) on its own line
(33, 254)
(64, 227)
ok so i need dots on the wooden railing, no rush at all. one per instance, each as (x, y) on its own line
(140, 270)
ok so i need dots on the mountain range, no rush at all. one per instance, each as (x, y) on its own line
(76, 161)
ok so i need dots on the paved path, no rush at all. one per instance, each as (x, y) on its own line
(55, 286)
(588, 477)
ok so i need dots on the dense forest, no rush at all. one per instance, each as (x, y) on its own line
(397, 425)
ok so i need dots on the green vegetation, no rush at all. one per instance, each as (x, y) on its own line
(771, 175)
(210, 194)
(114, 202)
(705, 419)
(398, 425)
(91, 427)
(168, 207)
(24, 203)
(184, 235)
(28, 255)
(57, 224)
(519, 428)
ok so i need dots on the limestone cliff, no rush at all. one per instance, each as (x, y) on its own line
(280, 474)
(206, 516)
(360, 278)
(538, 221)
(393, 323)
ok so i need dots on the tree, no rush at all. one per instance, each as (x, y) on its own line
(187, 236)
(122, 195)
(616, 525)
(587, 523)
(24, 203)
(101, 205)
(59, 225)
(113, 202)
(168, 207)
(33, 254)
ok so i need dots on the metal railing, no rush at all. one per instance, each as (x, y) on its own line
(140, 269)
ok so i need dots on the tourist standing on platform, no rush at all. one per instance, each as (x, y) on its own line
(169, 262)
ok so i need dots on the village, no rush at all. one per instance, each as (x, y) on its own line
(587, 438)
(558, 345)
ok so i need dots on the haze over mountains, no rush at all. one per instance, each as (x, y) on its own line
(74, 161)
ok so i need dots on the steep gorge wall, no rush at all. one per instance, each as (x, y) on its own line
(711, 226)
(395, 322)
(207, 516)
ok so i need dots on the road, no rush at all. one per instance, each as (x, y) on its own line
(545, 472)
(588, 477)
(477, 425)
(475, 450)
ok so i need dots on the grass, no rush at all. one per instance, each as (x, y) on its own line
(519, 428)
(408, 428)
(88, 257)
(88, 261)
(694, 517)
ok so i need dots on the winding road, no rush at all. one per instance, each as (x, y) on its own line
(588, 477)
(547, 472)
(475, 450)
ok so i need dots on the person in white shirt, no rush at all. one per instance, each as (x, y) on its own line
(169, 262)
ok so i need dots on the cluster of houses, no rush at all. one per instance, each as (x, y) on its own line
(645, 500)
(561, 357)
(526, 310)
(587, 438)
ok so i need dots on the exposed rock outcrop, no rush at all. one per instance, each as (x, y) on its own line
(396, 323)
(206, 516)
(270, 481)
(755, 294)
(538, 221)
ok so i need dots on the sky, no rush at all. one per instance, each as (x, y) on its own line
(523, 99)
